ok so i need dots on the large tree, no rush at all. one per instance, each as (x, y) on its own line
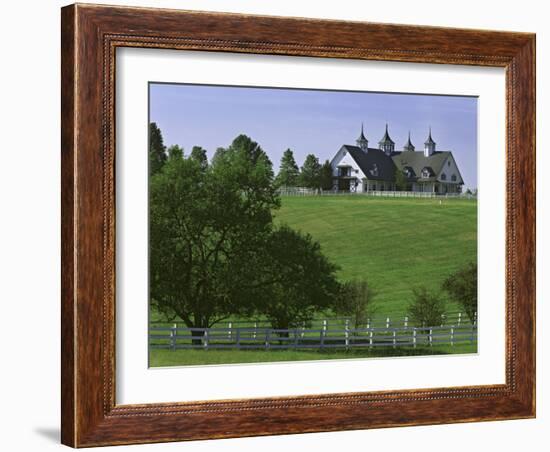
(325, 176)
(303, 280)
(462, 288)
(288, 171)
(208, 230)
(309, 175)
(157, 149)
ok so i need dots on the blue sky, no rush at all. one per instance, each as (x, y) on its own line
(313, 121)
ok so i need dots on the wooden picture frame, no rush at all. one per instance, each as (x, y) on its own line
(90, 36)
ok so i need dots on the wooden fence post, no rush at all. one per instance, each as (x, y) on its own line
(430, 338)
(230, 329)
(452, 336)
(267, 338)
(370, 339)
(295, 338)
(459, 318)
(406, 322)
(394, 338)
(255, 330)
(238, 338)
(173, 333)
(347, 334)
(414, 337)
(205, 339)
(322, 340)
(325, 326)
(387, 322)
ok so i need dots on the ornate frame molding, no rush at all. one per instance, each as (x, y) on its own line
(90, 37)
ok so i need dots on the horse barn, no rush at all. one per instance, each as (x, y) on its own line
(363, 169)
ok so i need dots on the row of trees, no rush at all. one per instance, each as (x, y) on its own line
(427, 308)
(216, 253)
(312, 174)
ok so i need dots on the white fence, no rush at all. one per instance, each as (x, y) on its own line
(302, 191)
(389, 320)
(246, 338)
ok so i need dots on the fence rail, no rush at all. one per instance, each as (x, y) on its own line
(243, 338)
(301, 191)
(388, 320)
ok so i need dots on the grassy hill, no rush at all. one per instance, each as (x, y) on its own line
(395, 243)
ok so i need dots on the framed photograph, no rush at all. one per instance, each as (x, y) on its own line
(281, 225)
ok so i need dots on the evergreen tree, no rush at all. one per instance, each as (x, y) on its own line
(288, 171)
(157, 149)
(325, 176)
(311, 171)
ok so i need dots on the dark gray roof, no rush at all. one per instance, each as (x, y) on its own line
(374, 159)
(386, 165)
(418, 161)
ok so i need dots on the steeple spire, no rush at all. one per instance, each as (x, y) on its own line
(408, 145)
(386, 144)
(429, 144)
(362, 141)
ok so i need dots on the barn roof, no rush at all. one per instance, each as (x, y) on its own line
(375, 164)
(418, 161)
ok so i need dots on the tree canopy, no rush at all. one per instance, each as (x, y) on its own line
(325, 176)
(289, 172)
(214, 250)
(462, 288)
(157, 149)
(310, 173)
(199, 154)
(206, 230)
(355, 300)
(426, 308)
(303, 279)
(401, 183)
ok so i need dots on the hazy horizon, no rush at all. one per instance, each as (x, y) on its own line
(313, 121)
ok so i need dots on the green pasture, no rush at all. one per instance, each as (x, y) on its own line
(395, 243)
(162, 358)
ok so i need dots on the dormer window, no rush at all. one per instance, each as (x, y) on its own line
(374, 170)
(425, 173)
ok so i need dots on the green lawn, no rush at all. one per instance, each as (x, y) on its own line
(162, 358)
(395, 243)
